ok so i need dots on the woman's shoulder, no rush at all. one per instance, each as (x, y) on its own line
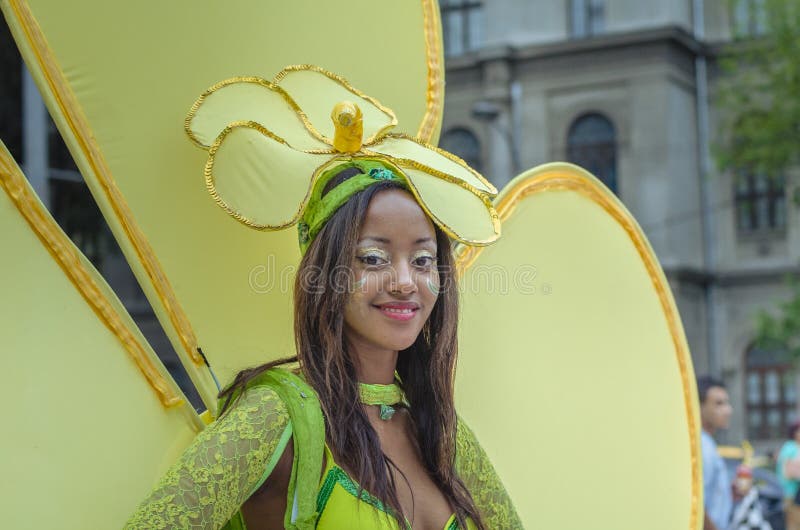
(259, 398)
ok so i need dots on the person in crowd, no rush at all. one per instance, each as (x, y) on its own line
(715, 414)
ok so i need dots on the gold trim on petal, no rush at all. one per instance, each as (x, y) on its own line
(68, 258)
(398, 164)
(564, 177)
(212, 188)
(343, 82)
(435, 92)
(257, 81)
(83, 136)
(491, 190)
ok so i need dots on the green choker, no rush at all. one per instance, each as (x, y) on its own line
(384, 395)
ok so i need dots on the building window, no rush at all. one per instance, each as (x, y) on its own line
(760, 203)
(592, 144)
(464, 144)
(749, 18)
(462, 26)
(770, 393)
(587, 17)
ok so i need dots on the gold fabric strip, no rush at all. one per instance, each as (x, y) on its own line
(68, 258)
(559, 180)
(435, 91)
(82, 133)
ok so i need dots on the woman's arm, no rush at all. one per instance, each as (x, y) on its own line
(222, 467)
(480, 478)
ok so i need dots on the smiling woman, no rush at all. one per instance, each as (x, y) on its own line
(362, 431)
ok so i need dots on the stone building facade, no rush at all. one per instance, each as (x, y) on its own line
(626, 88)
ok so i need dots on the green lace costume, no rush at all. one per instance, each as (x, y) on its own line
(233, 457)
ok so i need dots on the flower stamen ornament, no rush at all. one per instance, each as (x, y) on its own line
(272, 147)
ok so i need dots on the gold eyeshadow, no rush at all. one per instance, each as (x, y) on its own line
(372, 251)
(423, 254)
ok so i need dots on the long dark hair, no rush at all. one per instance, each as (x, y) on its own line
(426, 369)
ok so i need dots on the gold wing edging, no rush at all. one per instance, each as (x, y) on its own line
(45, 70)
(569, 177)
(429, 128)
(69, 260)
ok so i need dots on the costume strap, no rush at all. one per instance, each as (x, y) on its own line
(308, 432)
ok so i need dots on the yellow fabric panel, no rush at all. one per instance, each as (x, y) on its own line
(405, 148)
(130, 72)
(305, 86)
(473, 221)
(85, 432)
(574, 371)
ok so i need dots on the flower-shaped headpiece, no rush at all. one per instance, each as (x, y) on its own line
(273, 145)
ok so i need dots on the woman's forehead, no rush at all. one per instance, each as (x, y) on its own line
(394, 217)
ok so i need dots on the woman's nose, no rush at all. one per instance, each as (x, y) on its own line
(403, 280)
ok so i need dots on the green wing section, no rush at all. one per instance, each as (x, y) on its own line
(119, 79)
(574, 371)
(92, 417)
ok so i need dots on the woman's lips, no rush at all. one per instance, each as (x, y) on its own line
(399, 310)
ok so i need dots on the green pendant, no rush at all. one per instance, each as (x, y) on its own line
(387, 412)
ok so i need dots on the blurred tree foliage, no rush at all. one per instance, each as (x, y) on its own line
(759, 94)
(782, 332)
(759, 102)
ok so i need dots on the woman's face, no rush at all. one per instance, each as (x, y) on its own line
(395, 272)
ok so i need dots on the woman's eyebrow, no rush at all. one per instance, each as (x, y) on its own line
(376, 239)
(386, 241)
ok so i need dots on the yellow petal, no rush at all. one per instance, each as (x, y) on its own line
(406, 150)
(248, 99)
(464, 215)
(257, 178)
(317, 91)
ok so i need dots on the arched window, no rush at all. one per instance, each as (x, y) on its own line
(770, 393)
(592, 144)
(463, 143)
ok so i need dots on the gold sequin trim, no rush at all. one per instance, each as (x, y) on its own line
(68, 258)
(490, 189)
(395, 164)
(560, 176)
(84, 137)
(212, 189)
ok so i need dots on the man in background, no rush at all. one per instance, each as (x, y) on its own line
(715, 414)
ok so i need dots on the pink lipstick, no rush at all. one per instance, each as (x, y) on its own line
(399, 310)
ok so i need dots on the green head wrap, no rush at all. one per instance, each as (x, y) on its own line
(320, 208)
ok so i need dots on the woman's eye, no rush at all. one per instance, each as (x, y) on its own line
(372, 260)
(424, 262)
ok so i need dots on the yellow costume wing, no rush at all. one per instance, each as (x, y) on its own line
(574, 371)
(91, 413)
(118, 80)
(574, 338)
